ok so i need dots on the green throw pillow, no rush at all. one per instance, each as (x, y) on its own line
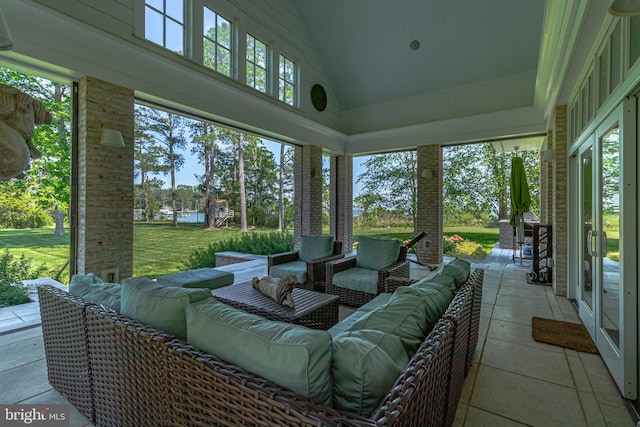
(459, 270)
(405, 316)
(290, 355)
(366, 364)
(162, 307)
(314, 247)
(376, 254)
(437, 298)
(92, 288)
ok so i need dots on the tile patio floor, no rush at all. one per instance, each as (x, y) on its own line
(514, 380)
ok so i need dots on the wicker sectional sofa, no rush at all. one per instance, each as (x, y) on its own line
(120, 372)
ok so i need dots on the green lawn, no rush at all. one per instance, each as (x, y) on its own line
(161, 249)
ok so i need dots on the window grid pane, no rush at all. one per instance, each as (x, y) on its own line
(256, 64)
(217, 42)
(286, 91)
(164, 23)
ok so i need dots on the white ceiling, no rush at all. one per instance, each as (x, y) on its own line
(363, 45)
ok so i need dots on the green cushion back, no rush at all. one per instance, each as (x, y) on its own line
(376, 254)
(366, 364)
(162, 307)
(314, 247)
(293, 356)
(92, 288)
(437, 298)
(443, 279)
(459, 270)
(404, 316)
(210, 278)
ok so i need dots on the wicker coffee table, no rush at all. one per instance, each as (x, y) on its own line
(312, 309)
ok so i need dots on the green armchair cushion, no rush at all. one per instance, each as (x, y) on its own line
(366, 364)
(459, 270)
(314, 247)
(293, 356)
(376, 254)
(293, 268)
(162, 307)
(357, 279)
(92, 288)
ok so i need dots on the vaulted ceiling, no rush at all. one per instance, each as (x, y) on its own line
(364, 45)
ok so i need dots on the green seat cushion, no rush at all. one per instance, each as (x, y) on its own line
(376, 254)
(357, 279)
(340, 327)
(162, 307)
(92, 288)
(293, 268)
(290, 355)
(366, 364)
(378, 301)
(459, 270)
(199, 278)
(314, 247)
(405, 315)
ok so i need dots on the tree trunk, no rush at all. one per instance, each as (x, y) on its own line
(243, 195)
(59, 223)
(281, 190)
(209, 173)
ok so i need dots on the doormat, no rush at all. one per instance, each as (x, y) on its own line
(563, 334)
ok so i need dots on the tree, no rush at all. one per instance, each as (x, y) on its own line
(167, 131)
(46, 183)
(204, 139)
(393, 177)
(241, 182)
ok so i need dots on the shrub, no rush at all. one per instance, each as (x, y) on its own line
(18, 212)
(457, 246)
(250, 243)
(12, 272)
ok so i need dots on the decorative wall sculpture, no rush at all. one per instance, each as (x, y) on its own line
(19, 113)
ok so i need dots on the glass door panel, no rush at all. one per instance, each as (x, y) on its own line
(586, 188)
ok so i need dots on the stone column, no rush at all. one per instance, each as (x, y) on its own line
(429, 215)
(560, 207)
(341, 216)
(546, 178)
(105, 181)
(308, 192)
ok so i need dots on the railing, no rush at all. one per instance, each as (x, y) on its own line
(228, 215)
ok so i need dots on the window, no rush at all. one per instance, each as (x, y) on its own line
(217, 42)
(286, 80)
(256, 64)
(164, 23)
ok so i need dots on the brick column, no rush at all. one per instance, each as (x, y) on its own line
(559, 209)
(105, 181)
(341, 216)
(429, 215)
(546, 179)
(308, 192)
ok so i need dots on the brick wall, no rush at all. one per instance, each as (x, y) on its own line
(105, 180)
(308, 192)
(560, 208)
(341, 216)
(429, 215)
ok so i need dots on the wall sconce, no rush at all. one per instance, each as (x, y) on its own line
(549, 155)
(111, 138)
(6, 42)
(625, 8)
(427, 173)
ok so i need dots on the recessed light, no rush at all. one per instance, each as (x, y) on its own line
(414, 45)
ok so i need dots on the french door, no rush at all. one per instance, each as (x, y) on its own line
(606, 229)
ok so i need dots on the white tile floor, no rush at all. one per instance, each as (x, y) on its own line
(514, 381)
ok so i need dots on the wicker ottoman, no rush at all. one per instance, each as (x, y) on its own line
(200, 278)
(312, 309)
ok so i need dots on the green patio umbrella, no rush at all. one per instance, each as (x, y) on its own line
(520, 199)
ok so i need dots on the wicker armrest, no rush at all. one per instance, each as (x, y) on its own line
(398, 268)
(282, 258)
(342, 264)
(394, 282)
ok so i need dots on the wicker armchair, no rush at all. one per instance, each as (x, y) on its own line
(315, 276)
(357, 298)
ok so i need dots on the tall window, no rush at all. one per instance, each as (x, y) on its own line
(286, 80)
(164, 23)
(217, 42)
(256, 64)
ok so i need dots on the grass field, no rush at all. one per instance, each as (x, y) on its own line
(161, 249)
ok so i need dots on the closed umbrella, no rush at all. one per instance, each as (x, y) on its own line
(520, 199)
